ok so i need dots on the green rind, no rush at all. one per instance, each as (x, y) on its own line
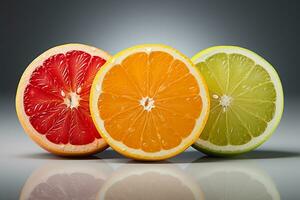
(219, 153)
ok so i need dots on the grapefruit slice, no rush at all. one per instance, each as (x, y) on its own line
(149, 102)
(246, 96)
(52, 100)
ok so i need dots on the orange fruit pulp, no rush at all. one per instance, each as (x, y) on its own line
(149, 102)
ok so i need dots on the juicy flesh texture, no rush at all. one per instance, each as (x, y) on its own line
(56, 99)
(150, 101)
(252, 99)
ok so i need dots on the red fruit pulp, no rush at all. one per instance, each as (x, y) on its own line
(56, 100)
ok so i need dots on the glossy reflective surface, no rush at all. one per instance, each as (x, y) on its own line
(270, 172)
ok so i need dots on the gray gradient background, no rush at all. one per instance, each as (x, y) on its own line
(269, 28)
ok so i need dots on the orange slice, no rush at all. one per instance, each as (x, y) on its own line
(149, 102)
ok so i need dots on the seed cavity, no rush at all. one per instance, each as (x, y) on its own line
(62, 93)
(215, 96)
(72, 100)
(147, 103)
(78, 90)
(225, 102)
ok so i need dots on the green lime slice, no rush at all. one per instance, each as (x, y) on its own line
(246, 100)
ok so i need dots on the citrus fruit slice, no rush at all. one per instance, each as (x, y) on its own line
(52, 100)
(66, 180)
(233, 180)
(149, 182)
(149, 102)
(246, 100)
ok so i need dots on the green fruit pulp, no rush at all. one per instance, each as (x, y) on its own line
(242, 99)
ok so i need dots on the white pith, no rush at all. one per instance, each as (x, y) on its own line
(255, 141)
(147, 103)
(45, 143)
(225, 101)
(72, 100)
(138, 153)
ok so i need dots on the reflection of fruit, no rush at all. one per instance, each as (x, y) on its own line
(66, 180)
(149, 182)
(52, 100)
(233, 180)
(149, 102)
(246, 100)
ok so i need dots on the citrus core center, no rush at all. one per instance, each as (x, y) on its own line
(225, 101)
(72, 100)
(147, 103)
